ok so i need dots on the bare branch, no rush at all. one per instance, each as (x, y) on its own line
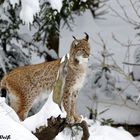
(131, 64)
(134, 8)
(130, 43)
(126, 17)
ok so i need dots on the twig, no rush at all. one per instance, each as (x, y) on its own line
(84, 127)
(125, 18)
(130, 43)
(135, 10)
(116, 104)
(131, 64)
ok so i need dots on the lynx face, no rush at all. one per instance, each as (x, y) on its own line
(80, 51)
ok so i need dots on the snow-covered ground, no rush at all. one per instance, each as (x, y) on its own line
(12, 128)
(40, 119)
(98, 132)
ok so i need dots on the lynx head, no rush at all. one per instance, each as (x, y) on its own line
(80, 51)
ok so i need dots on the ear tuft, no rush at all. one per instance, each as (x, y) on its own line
(74, 37)
(75, 40)
(87, 36)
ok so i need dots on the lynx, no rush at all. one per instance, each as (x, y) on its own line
(24, 84)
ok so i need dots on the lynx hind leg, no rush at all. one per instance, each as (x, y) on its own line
(15, 102)
(18, 103)
(77, 118)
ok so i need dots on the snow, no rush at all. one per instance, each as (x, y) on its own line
(49, 109)
(56, 4)
(98, 132)
(10, 126)
(29, 9)
(13, 2)
(3, 60)
(11, 113)
(83, 0)
(109, 133)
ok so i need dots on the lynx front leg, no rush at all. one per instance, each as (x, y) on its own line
(67, 106)
(77, 118)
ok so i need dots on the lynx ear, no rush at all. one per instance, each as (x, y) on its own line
(74, 37)
(75, 40)
(87, 36)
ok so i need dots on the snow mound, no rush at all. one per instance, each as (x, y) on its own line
(98, 132)
(109, 133)
(9, 128)
(12, 128)
(48, 110)
(8, 110)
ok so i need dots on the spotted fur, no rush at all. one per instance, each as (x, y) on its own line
(25, 84)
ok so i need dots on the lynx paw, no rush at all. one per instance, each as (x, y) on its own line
(70, 120)
(74, 119)
(77, 118)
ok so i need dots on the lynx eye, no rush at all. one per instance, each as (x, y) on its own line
(79, 52)
(76, 42)
(86, 55)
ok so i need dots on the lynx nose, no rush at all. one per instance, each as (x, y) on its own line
(86, 56)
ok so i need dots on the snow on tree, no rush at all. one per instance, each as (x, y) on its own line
(42, 37)
(10, 125)
(12, 53)
(104, 81)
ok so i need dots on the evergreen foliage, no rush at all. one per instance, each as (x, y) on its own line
(17, 50)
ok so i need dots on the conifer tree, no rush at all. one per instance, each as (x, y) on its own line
(17, 46)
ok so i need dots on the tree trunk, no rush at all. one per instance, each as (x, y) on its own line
(53, 41)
